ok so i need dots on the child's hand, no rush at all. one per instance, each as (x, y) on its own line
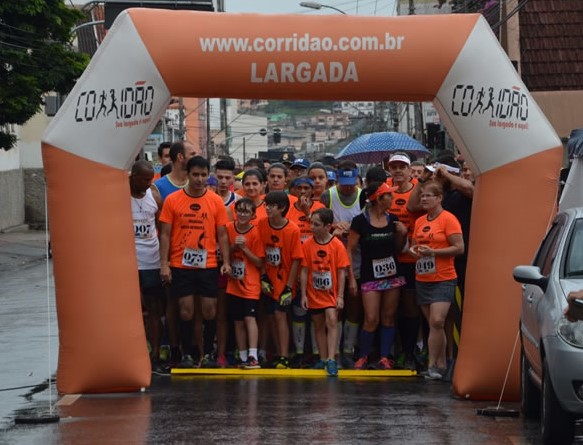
(340, 303)
(266, 286)
(285, 297)
(240, 241)
(304, 302)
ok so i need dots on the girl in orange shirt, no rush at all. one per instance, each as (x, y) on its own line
(243, 286)
(437, 239)
(253, 186)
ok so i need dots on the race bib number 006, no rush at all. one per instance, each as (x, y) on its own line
(322, 280)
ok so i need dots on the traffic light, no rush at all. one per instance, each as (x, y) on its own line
(276, 135)
(435, 136)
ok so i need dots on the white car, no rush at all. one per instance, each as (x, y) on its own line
(552, 346)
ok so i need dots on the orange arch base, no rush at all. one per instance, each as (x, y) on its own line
(102, 345)
(491, 309)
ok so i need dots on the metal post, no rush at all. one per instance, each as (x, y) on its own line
(244, 150)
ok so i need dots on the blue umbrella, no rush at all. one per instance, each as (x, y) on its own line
(372, 148)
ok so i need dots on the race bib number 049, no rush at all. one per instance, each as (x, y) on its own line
(425, 265)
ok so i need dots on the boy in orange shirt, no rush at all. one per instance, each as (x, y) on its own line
(322, 282)
(283, 254)
(243, 285)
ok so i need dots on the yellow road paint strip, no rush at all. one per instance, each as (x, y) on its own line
(291, 372)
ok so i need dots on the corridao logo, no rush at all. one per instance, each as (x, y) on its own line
(125, 103)
(505, 107)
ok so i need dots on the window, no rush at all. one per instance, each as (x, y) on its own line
(574, 259)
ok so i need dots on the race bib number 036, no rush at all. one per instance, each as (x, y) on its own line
(384, 267)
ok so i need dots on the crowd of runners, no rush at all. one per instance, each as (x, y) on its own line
(301, 264)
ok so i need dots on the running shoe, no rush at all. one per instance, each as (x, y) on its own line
(252, 363)
(160, 369)
(347, 361)
(186, 362)
(434, 373)
(281, 363)
(222, 361)
(385, 363)
(297, 361)
(208, 362)
(320, 364)
(332, 368)
(361, 363)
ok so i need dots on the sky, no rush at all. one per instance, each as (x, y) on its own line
(359, 7)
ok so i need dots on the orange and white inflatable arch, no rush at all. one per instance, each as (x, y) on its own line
(453, 60)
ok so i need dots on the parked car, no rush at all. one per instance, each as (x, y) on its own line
(552, 347)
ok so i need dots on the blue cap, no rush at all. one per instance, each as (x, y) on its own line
(212, 181)
(301, 162)
(302, 180)
(331, 175)
(347, 177)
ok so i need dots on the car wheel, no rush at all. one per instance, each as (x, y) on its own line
(557, 425)
(529, 394)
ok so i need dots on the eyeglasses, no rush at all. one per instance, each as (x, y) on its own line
(272, 205)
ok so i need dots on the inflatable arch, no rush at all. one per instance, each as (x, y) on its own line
(453, 60)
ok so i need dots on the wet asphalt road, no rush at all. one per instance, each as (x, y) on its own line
(183, 410)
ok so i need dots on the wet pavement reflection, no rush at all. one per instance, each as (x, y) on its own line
(182, 410)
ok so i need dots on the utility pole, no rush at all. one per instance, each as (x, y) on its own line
(418, 110)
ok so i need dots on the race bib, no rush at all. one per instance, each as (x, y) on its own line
(237, 269)
(194, 258)
(384, 267)
(322, 280)
(142, 230)
(273, 256)
(425, 265)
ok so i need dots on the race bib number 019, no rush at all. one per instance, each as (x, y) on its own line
(194, 258)
(273, 256)
(425, 265)
(322, 280)
(237, 269)
(384, 267)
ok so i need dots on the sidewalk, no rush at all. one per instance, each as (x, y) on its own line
(20, 247)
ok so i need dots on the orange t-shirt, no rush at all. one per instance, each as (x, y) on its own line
(399, 209)
(303, 221)
(245, 281)
(323, 262)
(282, 247)
(434, 234)
(193, 240)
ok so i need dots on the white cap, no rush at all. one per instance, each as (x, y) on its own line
(400, 158)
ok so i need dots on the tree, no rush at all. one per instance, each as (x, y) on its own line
(36, 57)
